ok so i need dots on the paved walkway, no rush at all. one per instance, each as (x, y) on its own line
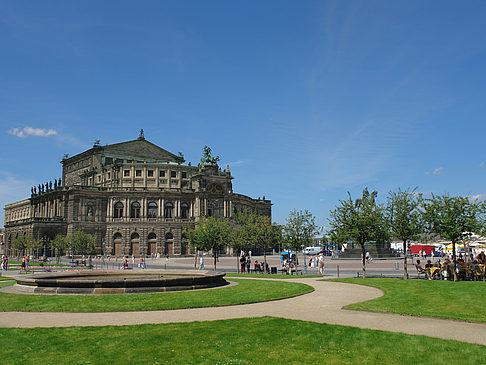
(324, 305)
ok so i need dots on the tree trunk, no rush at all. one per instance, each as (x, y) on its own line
(264, 260)
(214, 254)
(454, 266)
(195, 260)
(405, 272)
(363, 256)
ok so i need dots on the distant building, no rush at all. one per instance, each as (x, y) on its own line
(134, 197)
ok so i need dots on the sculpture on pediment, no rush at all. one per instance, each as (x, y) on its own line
(207, 158)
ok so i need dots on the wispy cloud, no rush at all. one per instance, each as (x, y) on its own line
(477, 197)
(482, 164)
(238, 163)
(322, 199)
(437, 171)
(29, 131)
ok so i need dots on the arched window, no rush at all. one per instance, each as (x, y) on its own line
(152, 210)
(152, 236)
(216, 209)
(184, 210)
(135, 237)
(117, 237)
(135, 210)
(118, 210)
(169, 236)
(168, 210)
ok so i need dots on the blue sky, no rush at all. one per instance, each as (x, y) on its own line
(305, 100)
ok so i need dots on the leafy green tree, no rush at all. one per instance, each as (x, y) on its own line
(81, 242)
(453, 218)
(404, 218)
(26, 242)
(60, 243)
(20, 243)
(299, 229)
(210, 234)
(257, 231)
(360, 221)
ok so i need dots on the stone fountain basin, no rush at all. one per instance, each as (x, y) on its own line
(118, 281)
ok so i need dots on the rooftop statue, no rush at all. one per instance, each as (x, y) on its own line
(207, 158)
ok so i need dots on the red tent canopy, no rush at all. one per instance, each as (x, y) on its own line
(416, 249)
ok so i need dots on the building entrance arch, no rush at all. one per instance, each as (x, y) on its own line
(135, 244)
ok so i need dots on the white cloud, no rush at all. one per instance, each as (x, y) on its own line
(237, 163)
(437, 171)
(477, 197)
(482, 164)
(322, 199)
(29, 131)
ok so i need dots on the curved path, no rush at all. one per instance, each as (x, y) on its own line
(324, 305)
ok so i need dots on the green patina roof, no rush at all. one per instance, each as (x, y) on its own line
(140, 148)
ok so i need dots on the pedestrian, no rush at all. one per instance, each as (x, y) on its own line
(248, 264)
(201, 263)
(368, 257)
(320, 262)
(242, 263)
(22, 265)
(140, 264)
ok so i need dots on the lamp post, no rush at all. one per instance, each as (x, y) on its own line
(103, 245)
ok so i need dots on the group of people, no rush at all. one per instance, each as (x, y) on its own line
(4, 262)
(474, 267)
(141, 263)
(25, 264)
(317, 261)
(245, 261)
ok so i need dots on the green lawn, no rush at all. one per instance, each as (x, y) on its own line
(270, 276)
(264, 340)
(462, 300)
(247, 291)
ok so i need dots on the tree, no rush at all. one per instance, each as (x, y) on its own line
(404, 218)
(60, 243)
(453, 218)
(361, 221)
(210, 234)
(299, 229)
(257, 231)
(26, 242)
(81, 242)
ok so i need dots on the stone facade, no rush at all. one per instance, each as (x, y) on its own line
(134, 197)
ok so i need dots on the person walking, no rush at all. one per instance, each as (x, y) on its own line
(320, 263)
(242, 263)
(201, 263)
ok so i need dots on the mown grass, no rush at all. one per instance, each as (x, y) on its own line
(462, 300)
(269, 276)
(264, 340)
(247, 291)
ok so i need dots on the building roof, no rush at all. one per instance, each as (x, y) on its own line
(138, 148)
(142, 148)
